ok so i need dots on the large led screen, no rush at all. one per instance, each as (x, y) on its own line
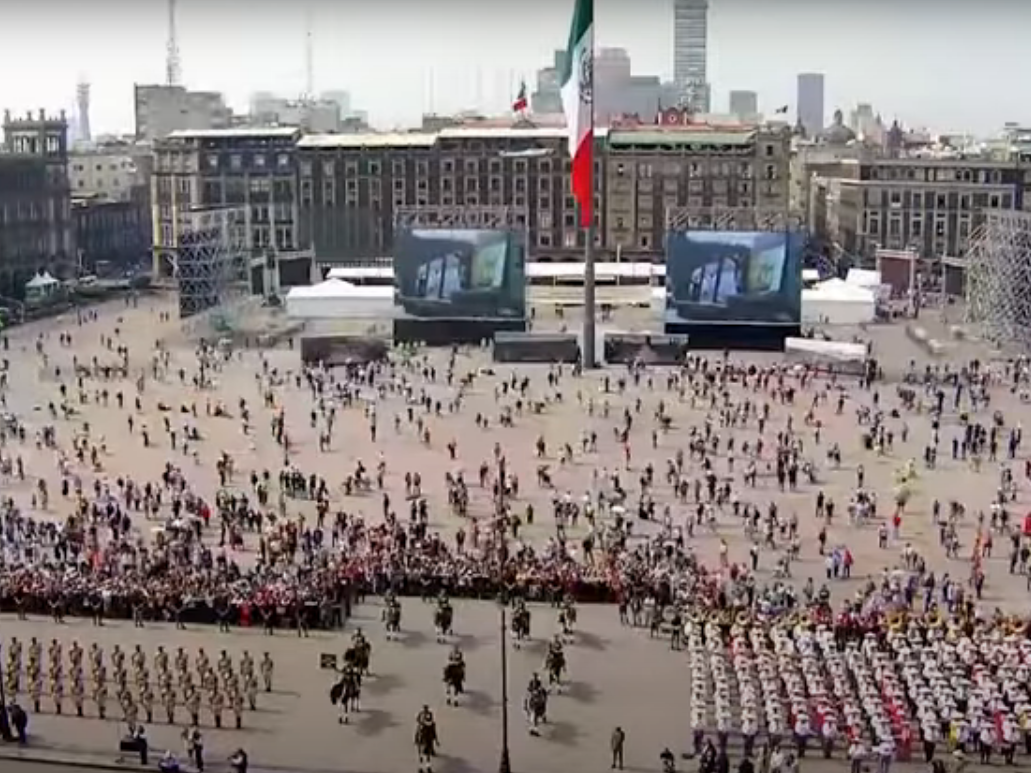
(460, 273)
(734, 277)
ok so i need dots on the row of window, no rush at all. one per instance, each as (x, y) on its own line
(894, 226)
(933, 200)
(936, 174)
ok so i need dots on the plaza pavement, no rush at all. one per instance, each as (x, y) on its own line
(619, 677)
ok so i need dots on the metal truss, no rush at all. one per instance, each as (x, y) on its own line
(212, 259)
(679, 219)
(998, 278)
(498, 218)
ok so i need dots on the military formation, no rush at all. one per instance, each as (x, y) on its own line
(202, 688)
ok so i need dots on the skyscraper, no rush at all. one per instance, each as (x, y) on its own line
(744, 105)
(810, 102)
(690, 52)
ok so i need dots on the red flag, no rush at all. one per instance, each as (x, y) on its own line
(520, 104)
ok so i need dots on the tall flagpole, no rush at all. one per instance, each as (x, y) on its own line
(590, 359)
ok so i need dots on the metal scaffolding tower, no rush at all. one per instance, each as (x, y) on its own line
(211, 258)
(680, 219)
(998, 278)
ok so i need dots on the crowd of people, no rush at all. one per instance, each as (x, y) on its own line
(289, 549)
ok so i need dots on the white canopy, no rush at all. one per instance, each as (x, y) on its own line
(41, 281)
(838, 302)
(337, 299)
(863, 277)
(843, 356)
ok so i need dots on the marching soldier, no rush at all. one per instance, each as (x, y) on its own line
(96, 659)
(130, 711)
(118, 658)
(236, 700)
(147, 702)
(246, 665)
(14, 653)
(225, 663)
(121, 680)
(165, 680)
(142, 678)
(193, 706)
(55, 654)
(37, 690)
(161, 660)
(12, 681)
(75, 656)
(78, 693)
(217, 703)
(208, 680)
(139, 659)
(57, 691)
(168, 698)
(266, 671)
(100, 677)
(100, 698)
(182, 660)
(202, 660)
(252, 692)
(35, 653)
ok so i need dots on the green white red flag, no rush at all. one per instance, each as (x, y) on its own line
(577, 97)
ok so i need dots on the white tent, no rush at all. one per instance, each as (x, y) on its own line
(837, 302)
(337, 299)
(841, 356)
(864, 277)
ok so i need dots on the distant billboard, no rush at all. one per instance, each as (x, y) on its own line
(460, 273)
(729, 277)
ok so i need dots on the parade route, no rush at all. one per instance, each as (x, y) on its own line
(617, 675)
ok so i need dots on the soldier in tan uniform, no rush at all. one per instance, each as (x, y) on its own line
(147, 702)
(168, 698)
(252, 692)
(266, 671)
(193, 706)
(217, 702)
(100, 698)
(78, 693)
(236, 702)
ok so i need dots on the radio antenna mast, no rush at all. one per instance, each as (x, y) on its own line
(172, 69)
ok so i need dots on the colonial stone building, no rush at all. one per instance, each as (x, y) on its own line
(36, 225)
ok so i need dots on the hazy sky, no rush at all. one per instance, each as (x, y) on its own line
(947, 64)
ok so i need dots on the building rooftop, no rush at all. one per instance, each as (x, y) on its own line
(679, 136)
(237, 133)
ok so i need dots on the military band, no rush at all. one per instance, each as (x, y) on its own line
(224, 687)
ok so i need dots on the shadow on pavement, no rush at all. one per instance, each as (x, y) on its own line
(383, 684)
(564, 733)
(581, 692)
(373, 722)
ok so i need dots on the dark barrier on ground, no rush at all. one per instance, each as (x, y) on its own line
(536, 347)
(735, 336)
(337, 350)
(447, 331)
(648, 348)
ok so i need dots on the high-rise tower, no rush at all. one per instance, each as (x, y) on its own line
(690, 53)
(82, 105)
(810, 102)
(172, 73)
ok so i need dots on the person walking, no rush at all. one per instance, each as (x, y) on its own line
(616, 744)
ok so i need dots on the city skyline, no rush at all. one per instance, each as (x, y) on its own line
(454, 58)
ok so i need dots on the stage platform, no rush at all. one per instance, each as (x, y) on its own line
(536, 347)
(647, 348)
(447, 331)
(735, 336)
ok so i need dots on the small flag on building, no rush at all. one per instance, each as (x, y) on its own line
(781, 110)
(520, 104)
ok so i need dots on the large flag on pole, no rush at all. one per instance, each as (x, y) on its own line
(577, 96)
(520, 103)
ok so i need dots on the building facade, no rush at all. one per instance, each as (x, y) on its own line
(809, 103)
(929, 206)
(161, 110)
(109, 174)
(683, 175)
(250, 168)
(36, 225)
(112, 236)
(691, 53)
(352, 188)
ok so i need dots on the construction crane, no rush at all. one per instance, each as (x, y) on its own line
(172, 73)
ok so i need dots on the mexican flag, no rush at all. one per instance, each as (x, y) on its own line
(577, 96)
(520, 104)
